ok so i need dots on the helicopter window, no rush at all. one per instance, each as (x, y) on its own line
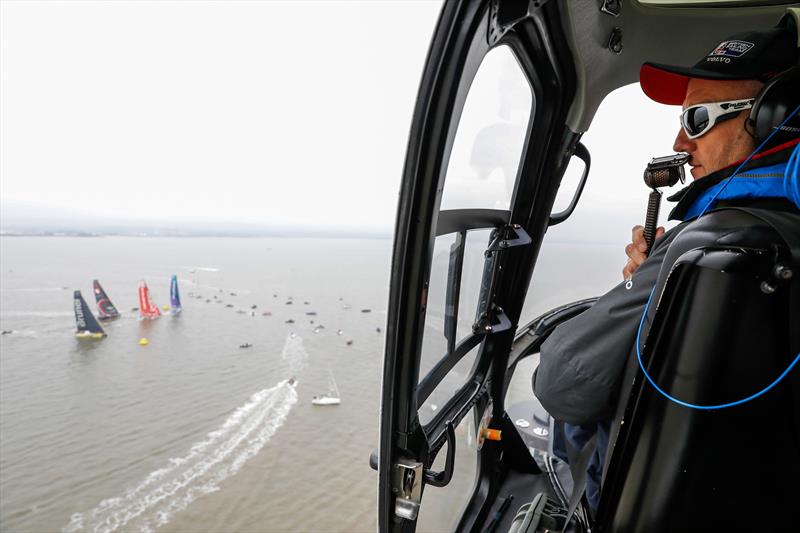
(448, 387)
(487, 148)
(434, 342)
(583, 257)
(444, 506)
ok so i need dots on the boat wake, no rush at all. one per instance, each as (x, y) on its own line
(36, 314)
(171, 489)
(34, 289)
(294, 353)
(203, 269)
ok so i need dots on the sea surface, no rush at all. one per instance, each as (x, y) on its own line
(192, 432)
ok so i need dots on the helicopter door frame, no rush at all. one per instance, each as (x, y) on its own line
(465, 33)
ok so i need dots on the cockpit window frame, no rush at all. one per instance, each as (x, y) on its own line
(460, 43)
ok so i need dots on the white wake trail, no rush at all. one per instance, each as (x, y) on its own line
(294, 353)
(171, 489)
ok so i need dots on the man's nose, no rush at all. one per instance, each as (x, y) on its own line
(683, 143)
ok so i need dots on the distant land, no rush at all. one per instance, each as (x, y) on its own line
(588, 225)
(34, 221)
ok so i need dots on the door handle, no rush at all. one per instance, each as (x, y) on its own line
(441, 479)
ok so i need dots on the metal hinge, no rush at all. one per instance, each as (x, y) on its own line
(408, 487)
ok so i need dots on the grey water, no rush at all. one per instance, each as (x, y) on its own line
(191, 432)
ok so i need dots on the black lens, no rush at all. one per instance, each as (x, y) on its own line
(695, 120)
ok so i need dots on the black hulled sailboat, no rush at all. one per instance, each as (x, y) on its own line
(105, 309)
(87, 325)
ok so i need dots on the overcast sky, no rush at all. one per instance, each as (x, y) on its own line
(275, 113)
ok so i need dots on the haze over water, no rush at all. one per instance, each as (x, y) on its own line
(193, 433)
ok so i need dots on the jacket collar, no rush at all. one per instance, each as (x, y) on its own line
(687, 196)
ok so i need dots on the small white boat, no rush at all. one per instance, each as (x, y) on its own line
(332, 398)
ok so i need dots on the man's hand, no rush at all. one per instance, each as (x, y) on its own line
(636, 249)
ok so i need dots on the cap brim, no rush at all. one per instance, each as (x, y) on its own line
(666, 84)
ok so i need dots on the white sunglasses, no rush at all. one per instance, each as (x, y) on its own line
(696, 120)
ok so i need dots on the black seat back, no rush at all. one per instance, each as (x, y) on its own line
(722, 332)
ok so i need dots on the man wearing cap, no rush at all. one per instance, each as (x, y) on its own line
(581, 364)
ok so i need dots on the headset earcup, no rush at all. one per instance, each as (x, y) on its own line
(779, 97)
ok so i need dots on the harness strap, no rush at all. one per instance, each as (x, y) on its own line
(578, 465)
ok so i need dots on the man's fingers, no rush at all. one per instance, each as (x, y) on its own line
(636, 249)
(635, 254)
(637, 232)
(637, 237)
(629, 269)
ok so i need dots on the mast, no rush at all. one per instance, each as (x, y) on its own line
(174, 295)
(332, 384)
(87, 324)
(105, 309)
(146, 307)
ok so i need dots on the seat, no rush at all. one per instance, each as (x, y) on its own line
(725, 327)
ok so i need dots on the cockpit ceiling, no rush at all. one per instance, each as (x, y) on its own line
(661, 31)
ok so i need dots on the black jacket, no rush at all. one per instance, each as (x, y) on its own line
(581, 364)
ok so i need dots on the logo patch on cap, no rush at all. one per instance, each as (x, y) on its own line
(731, 49)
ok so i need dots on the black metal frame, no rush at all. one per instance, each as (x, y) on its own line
(459, 44)
(441, 96)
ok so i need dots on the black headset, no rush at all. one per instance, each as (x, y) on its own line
(774, 102)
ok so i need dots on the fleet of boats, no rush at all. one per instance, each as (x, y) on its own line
(88, 327)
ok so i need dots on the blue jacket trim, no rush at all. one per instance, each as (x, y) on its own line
(791, 179)
(774, 181)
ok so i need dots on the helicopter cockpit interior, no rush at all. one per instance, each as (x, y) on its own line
(465, 445)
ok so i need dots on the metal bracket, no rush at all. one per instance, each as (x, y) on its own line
(408, 487)
(521, 238)
(493, 321)
(504, 14)
(611, 7)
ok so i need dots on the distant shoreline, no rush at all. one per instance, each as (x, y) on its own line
(309, 235)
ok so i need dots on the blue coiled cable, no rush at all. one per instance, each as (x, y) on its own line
(792, 189)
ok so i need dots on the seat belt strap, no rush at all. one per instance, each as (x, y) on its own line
(578, 467)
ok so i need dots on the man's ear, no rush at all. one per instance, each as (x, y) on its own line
(750, 128)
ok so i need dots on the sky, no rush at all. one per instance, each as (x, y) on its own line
(279, 114)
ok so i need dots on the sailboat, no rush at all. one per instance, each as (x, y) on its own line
(105, 309)
(147, 309)
(87, 325)
(174, 296)
(332, 398)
